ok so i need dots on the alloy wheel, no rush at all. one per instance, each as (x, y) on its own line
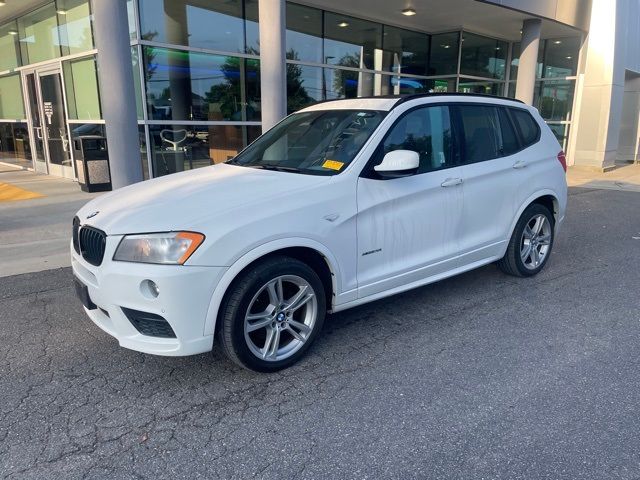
(535, 242)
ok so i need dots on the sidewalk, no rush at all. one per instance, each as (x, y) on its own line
(35, 220)
(626, 177)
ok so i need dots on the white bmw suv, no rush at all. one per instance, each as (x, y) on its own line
(340, 204)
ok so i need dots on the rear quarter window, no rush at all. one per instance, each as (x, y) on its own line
(528, 127)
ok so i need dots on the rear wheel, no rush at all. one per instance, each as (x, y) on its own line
(272, 314)
(531, 243)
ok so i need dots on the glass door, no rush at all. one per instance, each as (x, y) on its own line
(35, 123)
(44, 98)
(54, 124)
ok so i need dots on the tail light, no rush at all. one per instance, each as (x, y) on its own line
(562, 158)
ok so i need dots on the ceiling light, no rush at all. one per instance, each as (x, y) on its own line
(558, 42)
(13, 32)
(343, 24)
(61, 12)
(445, 46)
(409, 12)
(497, 48)
(569, 57)
(2, 3)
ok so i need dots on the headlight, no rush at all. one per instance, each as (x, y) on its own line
(170, 248)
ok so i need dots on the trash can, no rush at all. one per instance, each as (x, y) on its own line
(92, 163)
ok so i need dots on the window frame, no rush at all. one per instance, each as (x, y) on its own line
(456, 153)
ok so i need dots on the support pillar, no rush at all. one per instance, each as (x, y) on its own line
(273, 77)
(528, 63)
(117, 95)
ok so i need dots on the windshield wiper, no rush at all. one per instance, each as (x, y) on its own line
(277, 168)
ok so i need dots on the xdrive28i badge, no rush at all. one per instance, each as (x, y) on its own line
(93, 214)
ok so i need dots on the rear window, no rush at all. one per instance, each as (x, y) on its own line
(529, 129)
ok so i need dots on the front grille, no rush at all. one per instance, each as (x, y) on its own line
(92, 242)
(149, 324)
(74, 234)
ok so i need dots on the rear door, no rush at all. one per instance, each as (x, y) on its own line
(491, 159)
(408, 227)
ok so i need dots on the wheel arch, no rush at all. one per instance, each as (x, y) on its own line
(547, 198)
(313, 253)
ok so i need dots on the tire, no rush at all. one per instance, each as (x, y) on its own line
(293, 323)
(519, 260)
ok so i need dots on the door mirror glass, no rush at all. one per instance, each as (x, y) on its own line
(399, 162)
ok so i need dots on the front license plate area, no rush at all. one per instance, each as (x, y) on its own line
(82, 292)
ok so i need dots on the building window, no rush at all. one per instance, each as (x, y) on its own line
(185, 85)
(554, 99)
(351, 42)
(558, 58)
(175, 148)
(304, 33)
(443, 58)
(14, 144)
(39, 35)
(304, 86)
(11, 105)
(9, 47)
(467, 85)
(483, 56)
(404, 51)
(81, 85)
(213, 25)
(74, 20)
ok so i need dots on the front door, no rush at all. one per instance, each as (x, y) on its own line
(409, 227)
(48, 121)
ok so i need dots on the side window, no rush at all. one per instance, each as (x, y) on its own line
(482, 135)
(509, 137)
(426, 130)
(529, 129)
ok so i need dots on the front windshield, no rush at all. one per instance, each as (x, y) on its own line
(322, 142)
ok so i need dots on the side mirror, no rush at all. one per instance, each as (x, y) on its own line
(398, 163)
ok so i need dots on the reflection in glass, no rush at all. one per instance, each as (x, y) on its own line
(554, 99)
(561, 131)
(144, 158)
(9, 46)
(14, 144)
(175, 148)
(483, 56)
(484, 88)
(131, 18)
(405, 51)
(81, 84)
(252, 32)
(214, 24)
(347, 84)
(74, 18)
(135, 62)
(304, 86)
(11, 105)
(351, 42)
(192, 86)
(515, 60)
(304, 33)
(38, 35)
(443, 59)
(559, 57)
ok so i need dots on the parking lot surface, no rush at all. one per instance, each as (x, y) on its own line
(478, 376)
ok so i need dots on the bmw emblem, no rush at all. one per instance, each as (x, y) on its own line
(92, 214)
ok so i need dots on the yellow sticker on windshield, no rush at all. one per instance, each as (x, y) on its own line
(333, 164)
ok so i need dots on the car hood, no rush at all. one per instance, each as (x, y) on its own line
(190, 200)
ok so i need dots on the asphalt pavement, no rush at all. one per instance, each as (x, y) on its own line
(479, 376)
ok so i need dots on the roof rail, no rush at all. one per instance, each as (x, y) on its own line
(406, 98)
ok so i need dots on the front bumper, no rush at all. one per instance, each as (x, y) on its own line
(185, 294)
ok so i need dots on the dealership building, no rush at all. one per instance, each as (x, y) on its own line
(170, 85)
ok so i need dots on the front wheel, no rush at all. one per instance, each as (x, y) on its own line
(531, 243)
(272, 314)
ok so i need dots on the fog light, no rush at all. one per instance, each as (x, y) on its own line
(149, 289)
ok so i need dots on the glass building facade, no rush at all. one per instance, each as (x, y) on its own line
(196, 67)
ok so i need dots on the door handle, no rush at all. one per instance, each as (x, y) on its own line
(38, 132)
(451, 182)
(520, 164)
